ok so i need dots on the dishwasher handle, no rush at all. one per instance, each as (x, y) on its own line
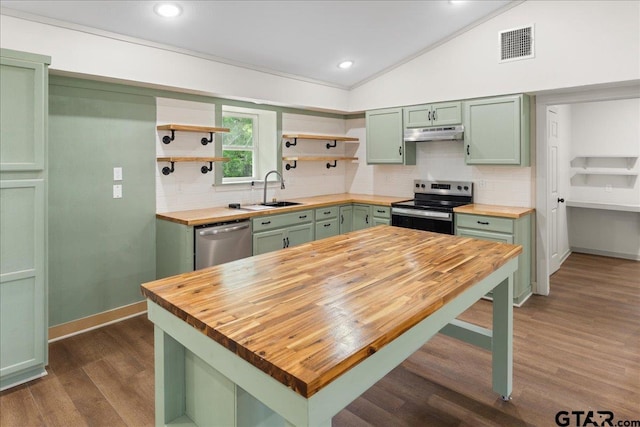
(223, 229)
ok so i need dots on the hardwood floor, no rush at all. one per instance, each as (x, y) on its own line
(576, 350)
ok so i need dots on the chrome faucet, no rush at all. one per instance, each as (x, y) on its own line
(264, 197)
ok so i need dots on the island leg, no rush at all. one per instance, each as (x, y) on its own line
(502, 342)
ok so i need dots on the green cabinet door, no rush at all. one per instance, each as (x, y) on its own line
(381, 215)
(346, 218)
(268, 241)
(497, 131)
(385, 143)
(23, 217)
(361, 217)
(299, 234)
(445, 113)
(174, 248)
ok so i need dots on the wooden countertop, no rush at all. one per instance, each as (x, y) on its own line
(307, 314)
(211, 215)
(494, 210)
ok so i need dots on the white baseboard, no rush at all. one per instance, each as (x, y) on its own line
(633, 257)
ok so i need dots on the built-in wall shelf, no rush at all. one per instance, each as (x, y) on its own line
(204, 169)
(334, 138)
(328, 159)
(584, 167)
(190, 128)
(603, 206)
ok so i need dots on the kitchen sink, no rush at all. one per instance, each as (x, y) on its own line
(280, 204)
(271, 205)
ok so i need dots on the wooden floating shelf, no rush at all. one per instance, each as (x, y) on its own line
(320, 137)
(191, 128)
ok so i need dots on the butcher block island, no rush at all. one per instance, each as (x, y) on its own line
(292, 337)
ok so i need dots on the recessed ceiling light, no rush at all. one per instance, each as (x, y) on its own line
(345, 65)
(168, 10)
(456, 1)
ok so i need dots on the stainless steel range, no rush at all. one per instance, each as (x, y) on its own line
(432, 207)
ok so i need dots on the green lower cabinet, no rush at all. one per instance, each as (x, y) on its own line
(346, 218)
(274, 232)
(327, 228)
(381, 215)
(505, 230)
(361, 217)
(174, 248)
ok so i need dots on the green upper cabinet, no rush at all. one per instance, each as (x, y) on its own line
(385, 143)
(496, 131)
(443, 114)
(23, 79)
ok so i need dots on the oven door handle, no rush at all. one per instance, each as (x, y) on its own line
(417, 213)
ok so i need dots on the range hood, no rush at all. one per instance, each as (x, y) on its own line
(441, 133)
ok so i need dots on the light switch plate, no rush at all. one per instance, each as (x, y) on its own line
(117, 174)
(117, 191)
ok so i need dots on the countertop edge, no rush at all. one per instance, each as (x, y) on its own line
(513, 212)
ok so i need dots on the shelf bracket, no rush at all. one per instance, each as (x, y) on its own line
(335, 164)
(293, 166)
(205, 141)
(167, 139)
(329, 145)
(291, 144)
(168, 170)
(205, 169)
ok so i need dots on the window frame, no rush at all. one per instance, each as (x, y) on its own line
(255, 147)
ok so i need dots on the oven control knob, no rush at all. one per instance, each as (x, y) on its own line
(417, 185)
(466, 188)
(422, 185)
(459, 187)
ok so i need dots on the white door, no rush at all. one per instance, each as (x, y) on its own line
(557, 179)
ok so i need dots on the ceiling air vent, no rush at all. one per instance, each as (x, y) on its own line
(516, 44)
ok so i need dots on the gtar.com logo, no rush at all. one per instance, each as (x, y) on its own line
(584, 418)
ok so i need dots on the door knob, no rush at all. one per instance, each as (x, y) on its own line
(560, 200)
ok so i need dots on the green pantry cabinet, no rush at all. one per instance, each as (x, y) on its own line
(507, 230)
(23, 217)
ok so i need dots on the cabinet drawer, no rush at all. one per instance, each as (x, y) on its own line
(482, 222)
(326, 213)
(381, 211)
(327, 228)
(283, 220)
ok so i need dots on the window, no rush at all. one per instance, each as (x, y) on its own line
(251, 144)
(240, 145)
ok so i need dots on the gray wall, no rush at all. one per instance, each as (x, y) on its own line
(100, 249)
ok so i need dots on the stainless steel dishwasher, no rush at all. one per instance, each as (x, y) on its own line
(222, 242)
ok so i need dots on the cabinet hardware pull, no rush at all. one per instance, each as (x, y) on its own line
(367, 219)
(327, 225)
(287, 242)
(379, 211)
(302, 216)
(468, 150)
(434, 116)
(429, 116)
(284, 242)
(341, 219)
(266, 222)
(400, 150)
(483, 222)
(327, 212)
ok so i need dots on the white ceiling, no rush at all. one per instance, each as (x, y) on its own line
(306, 39)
